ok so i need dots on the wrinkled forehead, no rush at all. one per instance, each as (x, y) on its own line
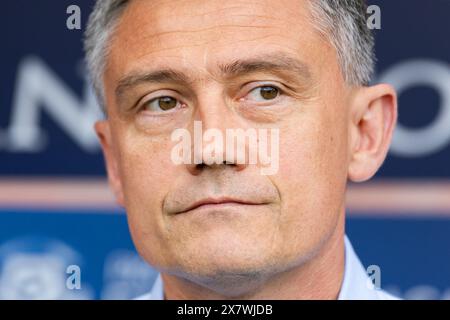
(201, 35)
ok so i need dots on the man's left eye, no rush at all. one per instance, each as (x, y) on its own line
(266, 93)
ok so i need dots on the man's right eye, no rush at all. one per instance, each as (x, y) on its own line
(160, 104)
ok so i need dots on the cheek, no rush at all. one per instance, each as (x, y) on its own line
(146, 174)
(312, 177)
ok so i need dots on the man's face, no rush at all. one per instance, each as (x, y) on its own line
(286, 217)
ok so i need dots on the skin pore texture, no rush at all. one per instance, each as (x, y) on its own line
(285, 239)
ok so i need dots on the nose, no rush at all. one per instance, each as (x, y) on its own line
(215, 144)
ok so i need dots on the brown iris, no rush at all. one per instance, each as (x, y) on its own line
(269, 93)
(167, 103)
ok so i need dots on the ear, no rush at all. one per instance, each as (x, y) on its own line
(373, 115)
(103, 130)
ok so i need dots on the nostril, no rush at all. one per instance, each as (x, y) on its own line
(200, 166)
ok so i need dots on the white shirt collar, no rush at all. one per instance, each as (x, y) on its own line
(356, 284)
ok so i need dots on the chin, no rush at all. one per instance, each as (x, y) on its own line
(227, 249)
(220, 266)
(233, 278)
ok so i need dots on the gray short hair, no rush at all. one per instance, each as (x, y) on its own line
(342, 22)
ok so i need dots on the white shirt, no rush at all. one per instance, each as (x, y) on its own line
(356, 284)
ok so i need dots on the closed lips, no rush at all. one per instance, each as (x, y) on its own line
(219, 201)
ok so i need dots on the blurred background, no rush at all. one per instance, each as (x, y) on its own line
(57, 213)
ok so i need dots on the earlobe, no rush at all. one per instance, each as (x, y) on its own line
(374, 114)
(103, 130)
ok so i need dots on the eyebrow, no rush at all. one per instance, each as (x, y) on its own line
(274, 62)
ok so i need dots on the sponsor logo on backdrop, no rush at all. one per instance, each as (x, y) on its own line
(41, 268)
(35, 267)
(39, 90)
(435, 136)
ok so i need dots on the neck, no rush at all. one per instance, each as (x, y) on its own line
(318, 278)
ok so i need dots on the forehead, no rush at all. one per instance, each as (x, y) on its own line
(199, 35)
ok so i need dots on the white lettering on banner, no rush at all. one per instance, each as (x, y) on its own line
(38, 89)
(435, 136)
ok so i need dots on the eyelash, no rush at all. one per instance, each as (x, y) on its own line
(142, 107)
(281, 92)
